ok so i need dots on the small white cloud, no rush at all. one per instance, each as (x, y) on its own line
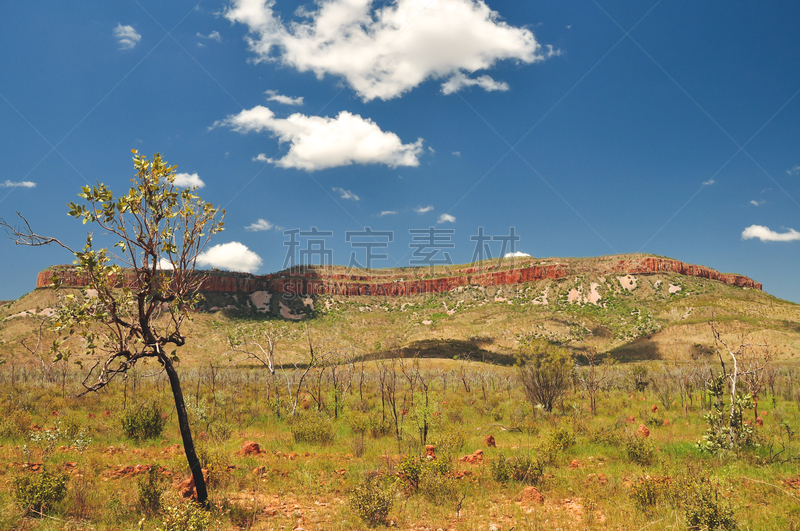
(793, 171)
(186, 180)
(422, 209)
(261, 157)
(320, 142)
(126, 36)
(516, 254)
(165, 265)
(387, 213)
(285, 100)
(260, 225)
(15, 184)
(459, 81)
(766, 235)
(708, 182)
(233, 256)
(757, 203)
(346, 194)
(446, 218)
(456, 153)
(213, 36)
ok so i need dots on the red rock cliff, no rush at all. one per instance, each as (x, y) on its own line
(317, 281)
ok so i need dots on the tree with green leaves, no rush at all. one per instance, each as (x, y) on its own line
(545, 371)
(141, 292)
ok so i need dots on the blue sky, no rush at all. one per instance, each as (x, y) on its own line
(593, 128)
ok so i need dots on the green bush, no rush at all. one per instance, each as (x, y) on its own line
(312, 428)
(151, 487)
(705, 508)
(562, 439)
(648, 492)
(15, 424)
(37, 493)
(187, 516)
(371, 499)
(436, 484)
(410, 470)
(639, 450)
(143, 421)
(522, 468)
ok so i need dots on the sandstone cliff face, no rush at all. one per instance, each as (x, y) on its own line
(411, 282)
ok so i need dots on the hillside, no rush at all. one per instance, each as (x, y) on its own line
(633, 307)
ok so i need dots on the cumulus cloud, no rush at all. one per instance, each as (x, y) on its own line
(459, 81)
(285, 100)
(516, 254)
(260, 225)
(233, 256)
(766, 235)
(186, 180)
(346, 194)
(18, 184)
(126, 36)
(318, 142)
(757, 203)
(387, 213)
(793, 171)
(446, 218)
(165, 264)
(383, 49)
(708, 182)
(422, 209)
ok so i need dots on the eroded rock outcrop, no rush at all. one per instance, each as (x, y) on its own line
(402, 282)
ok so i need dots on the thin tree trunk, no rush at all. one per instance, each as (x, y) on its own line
(186, 432)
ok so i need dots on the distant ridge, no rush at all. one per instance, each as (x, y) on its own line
(337, 280)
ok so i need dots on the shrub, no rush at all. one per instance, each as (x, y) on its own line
(562, 439)
(706, 509)
(522, 468)
(151, 487)
(649, 491)
(143, 421)
(545, 371)
(372, 500)
(187, 516)
(436, 485)
(410, 470)
(312, 428)
(449, 443)
(15, 424)
(37, 493)
(639, 450)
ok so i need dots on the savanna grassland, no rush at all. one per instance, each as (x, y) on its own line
(389, 423)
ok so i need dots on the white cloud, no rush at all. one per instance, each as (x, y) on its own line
(766, 235)
(15, 184)
(261, 157)
(233, 256)
(387, 213)
(422, 209)
(322, 142)
(456, 153)
(459, 81)
(387, 49)
(285, 100)
(346, 194)
(186, 180)
(446, 218)
(165, 264)
(757, 203)
(516, 254)
(260, 225)
(793, 171)
(708, 182)
(213, 36)
(126, 36)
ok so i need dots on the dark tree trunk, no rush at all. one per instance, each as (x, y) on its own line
(186, 433)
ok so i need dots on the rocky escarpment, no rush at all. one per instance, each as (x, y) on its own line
(413, 281)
